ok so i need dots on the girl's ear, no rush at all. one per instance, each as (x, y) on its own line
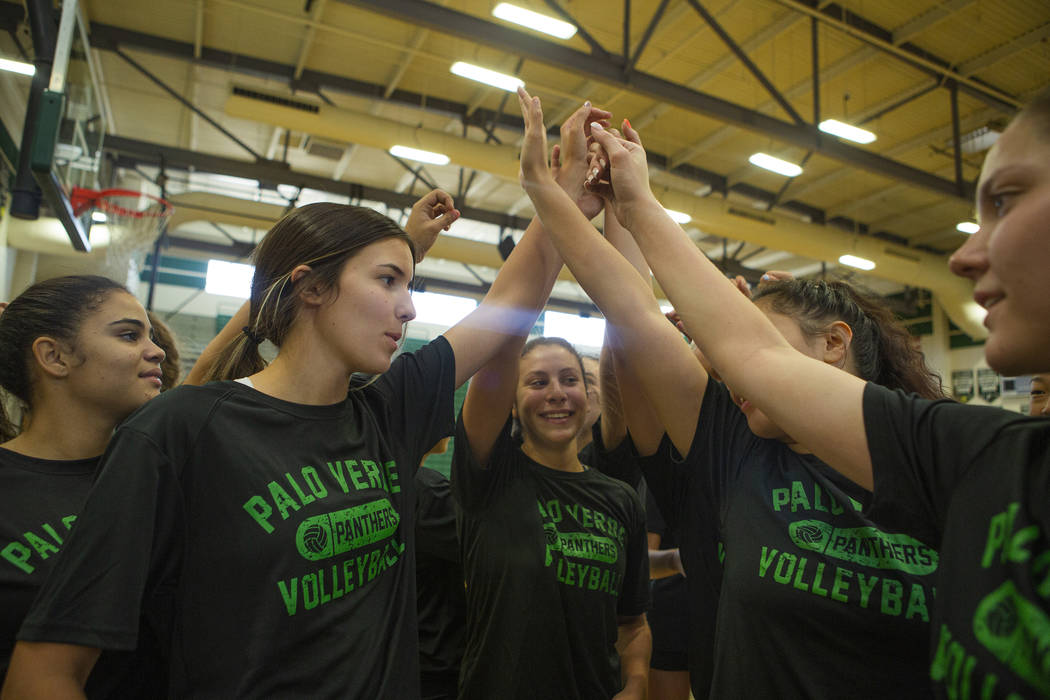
(837, 339)
(312, 294)
(51, 356)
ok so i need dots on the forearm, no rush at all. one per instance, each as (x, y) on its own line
(699, 292)
(510, 308)
(609, 280)
(45, 671)
(634, 643)
(664, 563)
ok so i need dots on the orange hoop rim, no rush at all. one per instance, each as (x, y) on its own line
(82, 199)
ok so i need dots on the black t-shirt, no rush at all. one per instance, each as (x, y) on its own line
(285, 531)
(39, 502)
(552, 558)
(982, 477)
(440, 596)
(821, 594)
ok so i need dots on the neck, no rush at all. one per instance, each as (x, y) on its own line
(62, 430)
(560, 457)
(303, 373)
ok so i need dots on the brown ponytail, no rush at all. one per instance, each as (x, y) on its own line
(324, 236)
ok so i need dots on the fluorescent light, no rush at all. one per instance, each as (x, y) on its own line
(679, 217)
(484, 75)
(98, 217)
(229, 279)
(781, 167)
(578, 330)
(17, 66)
(846, 131)
(534, 20)
(421, 156)
(854, 261)
(441, 309)
(967, 227)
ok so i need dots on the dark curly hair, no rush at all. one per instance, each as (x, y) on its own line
(884, 351)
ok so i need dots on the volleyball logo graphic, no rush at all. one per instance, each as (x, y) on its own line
(315, 538)
(553, 542)
(810, 534)
(1001, 618)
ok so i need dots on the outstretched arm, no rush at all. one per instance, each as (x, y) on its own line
(668, 372)
(817, 404)
(494, 333)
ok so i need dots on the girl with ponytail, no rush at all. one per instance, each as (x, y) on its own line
(76, 354)
(276, 510)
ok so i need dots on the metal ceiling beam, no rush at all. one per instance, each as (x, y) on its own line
(610, 71)
(867, 31)
(913, 28)
(131, 152)
(1004, 51)
(746, 60)
(109, 37)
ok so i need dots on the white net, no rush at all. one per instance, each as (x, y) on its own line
(134, 222)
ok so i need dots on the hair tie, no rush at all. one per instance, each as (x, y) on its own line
(254, 337)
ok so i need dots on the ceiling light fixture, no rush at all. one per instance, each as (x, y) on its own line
(418, 155)
(484, 75)
(534, 20)
(17, 67)
(859, 263)
(778, 166)
(846, 131)
(679, 217)
(98, 217)
(970, 227)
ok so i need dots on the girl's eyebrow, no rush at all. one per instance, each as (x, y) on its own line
(132, 321)
(393, 267)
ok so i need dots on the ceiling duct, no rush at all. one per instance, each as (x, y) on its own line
(907, 266)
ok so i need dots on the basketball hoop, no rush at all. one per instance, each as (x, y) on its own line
(133, 219)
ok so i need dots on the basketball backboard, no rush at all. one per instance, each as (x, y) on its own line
(67, 146)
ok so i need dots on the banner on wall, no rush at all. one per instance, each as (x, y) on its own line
(962, 385)
(989, 384)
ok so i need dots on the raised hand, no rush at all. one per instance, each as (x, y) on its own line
(627, 185)
(435, 211)
(569, 160)
(534, 171)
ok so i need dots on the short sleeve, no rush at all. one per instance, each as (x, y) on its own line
(126, 543)
(417, 395)
(920, 449)
(473, 483)
(721, 440)
(634, 598)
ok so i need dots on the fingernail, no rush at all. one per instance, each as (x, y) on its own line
(766, 277)
(628, 123)
(601, 161)
(596, 125)
(587, 103)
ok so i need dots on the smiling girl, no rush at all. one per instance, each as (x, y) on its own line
(276, 511)
(77, 353)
